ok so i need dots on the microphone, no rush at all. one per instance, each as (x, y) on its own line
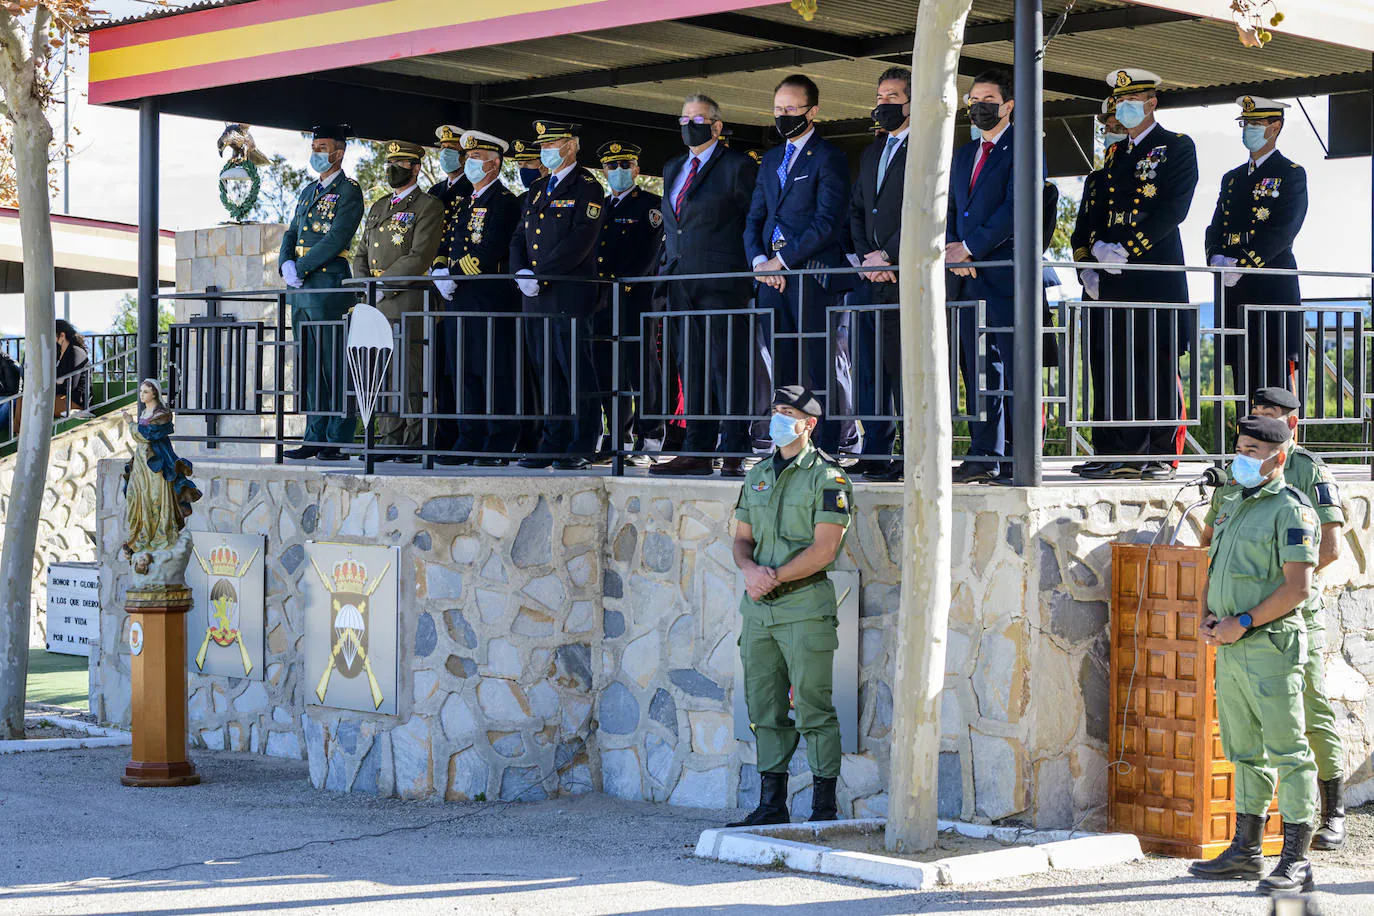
(1212, 477)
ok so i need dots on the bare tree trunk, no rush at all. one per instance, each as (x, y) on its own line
(32, 136)
(926, 433)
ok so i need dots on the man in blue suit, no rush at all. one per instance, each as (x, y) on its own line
(979, 228)
(800, 204)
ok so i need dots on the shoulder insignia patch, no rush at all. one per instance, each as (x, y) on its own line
(593, 211)
(835, 501)
(1328, 494)
(1299, 537)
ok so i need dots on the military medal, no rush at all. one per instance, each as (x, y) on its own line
(1261, 213)
(397, 238)
(1149, 190)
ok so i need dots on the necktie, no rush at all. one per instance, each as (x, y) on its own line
(977, 169)
(888, 152)
(786, 161)
(553, 182)
(682, 195)
(1252, 167)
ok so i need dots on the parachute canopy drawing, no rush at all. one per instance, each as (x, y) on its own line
(369, 356)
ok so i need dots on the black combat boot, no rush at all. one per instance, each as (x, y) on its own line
(1331, 833)
(772, 807)
(823, 807)
(1244, 858)
(1294, 871)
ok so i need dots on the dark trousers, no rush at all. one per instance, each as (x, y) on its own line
(711, 354)
(555, 363)
(877, 391)
(801, 308)
(1273, 340)
(991, 434)
(632, 423)
(322, 372)
(464, 374)
(1142, 373)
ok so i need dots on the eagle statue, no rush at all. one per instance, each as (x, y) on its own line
(240, 143)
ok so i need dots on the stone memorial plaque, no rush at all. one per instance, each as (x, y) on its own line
(351, 595)
(73, 622)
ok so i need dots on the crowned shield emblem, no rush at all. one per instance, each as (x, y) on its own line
(225, 570)
(350, 589)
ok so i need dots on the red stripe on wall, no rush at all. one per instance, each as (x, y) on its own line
(214, 20)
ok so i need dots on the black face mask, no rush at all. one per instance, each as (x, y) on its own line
(398, 175)
(694, 134)
(791, 125)
(889, 115)
(984, 114)
(530, 176)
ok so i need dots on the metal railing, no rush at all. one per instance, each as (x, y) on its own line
(110, 378)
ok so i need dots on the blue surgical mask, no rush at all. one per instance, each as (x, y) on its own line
(1252, 135)
(1246, 471)
(320, 162)
(1131, 113)
(620, 180)
(782, 429)
(1108, 139)
(476, 170)
(974, 133)
(450, 160)
(552, 158)
(529, 176)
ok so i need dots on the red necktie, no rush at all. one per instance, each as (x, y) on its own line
(682, 195)
(978, 168)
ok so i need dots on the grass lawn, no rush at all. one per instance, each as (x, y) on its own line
(58, 679)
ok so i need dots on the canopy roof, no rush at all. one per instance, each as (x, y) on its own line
(89, 254)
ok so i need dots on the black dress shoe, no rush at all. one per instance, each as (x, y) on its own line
(889, 473)
(378, 459)
(571, 464)
(1113, 470)
(1086, 466)
(732, 467)
(305, 451)
(534, 462)
(1158, 470)
(491, 462)
(973, 472)
(452, 460)
(331, 454)
(408, 459)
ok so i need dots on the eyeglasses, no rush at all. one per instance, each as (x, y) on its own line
(622, 164)
(791, 110)
(698, 119)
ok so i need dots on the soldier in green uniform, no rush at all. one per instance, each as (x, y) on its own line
(400, 238)
(793, 514)
(314, 255)
(1260, 561)
(1309, 474)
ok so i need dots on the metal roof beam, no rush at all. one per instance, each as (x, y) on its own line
(795, 36)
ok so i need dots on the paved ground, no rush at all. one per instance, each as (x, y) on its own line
(256, 837)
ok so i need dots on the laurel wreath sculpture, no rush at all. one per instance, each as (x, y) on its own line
(238, 212)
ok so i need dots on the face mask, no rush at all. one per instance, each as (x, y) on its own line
(1131, 113)
(320, 162)
(782, 429)
(791, 125)
(974, 133)
(620, 180)
(1252, 135)
(476, 170)
(985, 114)
(552, 158)
(398, 175)
(889, 115)
(694, 134)
(1109, 138)
(450, 160)
(1246, 471)
(529, 176)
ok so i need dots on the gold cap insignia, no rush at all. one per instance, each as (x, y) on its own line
(539, 127)
(394, 147)
(1123, 78)
(1248, 104)
(615, 147)
(470, 143)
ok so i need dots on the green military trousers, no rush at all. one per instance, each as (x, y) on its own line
(322, 367)
(1260, 707)
(1317, 712)
(800, 655)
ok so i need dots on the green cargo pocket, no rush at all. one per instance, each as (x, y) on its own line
(1284, 685)
(823, 642)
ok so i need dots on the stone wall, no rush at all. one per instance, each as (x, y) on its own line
(66, 523)
(562, 634)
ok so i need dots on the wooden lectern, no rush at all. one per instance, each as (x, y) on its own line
(159, 690)
(1173, 789)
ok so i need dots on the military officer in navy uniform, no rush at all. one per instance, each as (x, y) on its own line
(478, 242)
(1150, 180)
(314, 255)
(454, 186)
(1259, 213)
(631, 241)
(525, 155)
(557, 237)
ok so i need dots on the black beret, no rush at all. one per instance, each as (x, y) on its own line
(1275, 396)
(1265, 429)
(800, 398)
(339, 132)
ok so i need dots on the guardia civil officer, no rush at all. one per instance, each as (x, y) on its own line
(793, 513)
(631, 242)
(314, 255)
(480, 225)
(1150, 180)
(557, 237)
(525, 155)
(1308, 474)
(400, 237)
(1263, 550)
(1259, 213)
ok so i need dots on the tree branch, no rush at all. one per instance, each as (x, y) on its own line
(38, 40)
(11, 44)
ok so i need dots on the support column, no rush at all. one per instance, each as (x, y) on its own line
(1029, 158)
(148, 140)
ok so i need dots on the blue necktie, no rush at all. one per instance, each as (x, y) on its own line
(553, 181)
(787, 155)
(888, 152)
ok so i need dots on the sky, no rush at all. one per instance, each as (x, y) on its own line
(104, 185)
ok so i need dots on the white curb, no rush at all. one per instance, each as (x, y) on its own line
(97, 737)
(1094, 851)
(979, 867)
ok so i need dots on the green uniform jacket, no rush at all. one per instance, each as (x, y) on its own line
(1255, 532)
(317, 239)
(783, 513)
(400, 240)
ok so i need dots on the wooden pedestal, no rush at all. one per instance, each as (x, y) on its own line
(159, 691)
(1174, 789)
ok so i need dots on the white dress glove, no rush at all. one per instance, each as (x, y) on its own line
(288, 273)
(1227, 278)
(1092, 284)
(1110, 254)
(445, 287)
(529, 287)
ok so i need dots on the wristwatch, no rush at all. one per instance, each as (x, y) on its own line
(1246, 620)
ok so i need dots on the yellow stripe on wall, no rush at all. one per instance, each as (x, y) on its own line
(379, 20)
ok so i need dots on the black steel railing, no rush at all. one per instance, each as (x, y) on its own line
(109, 379)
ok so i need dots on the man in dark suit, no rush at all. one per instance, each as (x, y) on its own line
(478, 242)
(800, 204)
(557, 237)
(875, 223)
(979, 228)
(708, 191)
(1150, 179)
(1260, 210)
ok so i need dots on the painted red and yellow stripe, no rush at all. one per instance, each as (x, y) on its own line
(266, 39)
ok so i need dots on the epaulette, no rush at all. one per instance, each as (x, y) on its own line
(1301, 496)
(828, 458)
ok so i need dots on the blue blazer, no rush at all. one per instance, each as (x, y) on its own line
(811, 208)
(982, 218)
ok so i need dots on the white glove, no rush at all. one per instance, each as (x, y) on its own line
(529, 287)
(1227, 278)
(445, 287)
(1092, 284)
(288, 273)
(1110, 254)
